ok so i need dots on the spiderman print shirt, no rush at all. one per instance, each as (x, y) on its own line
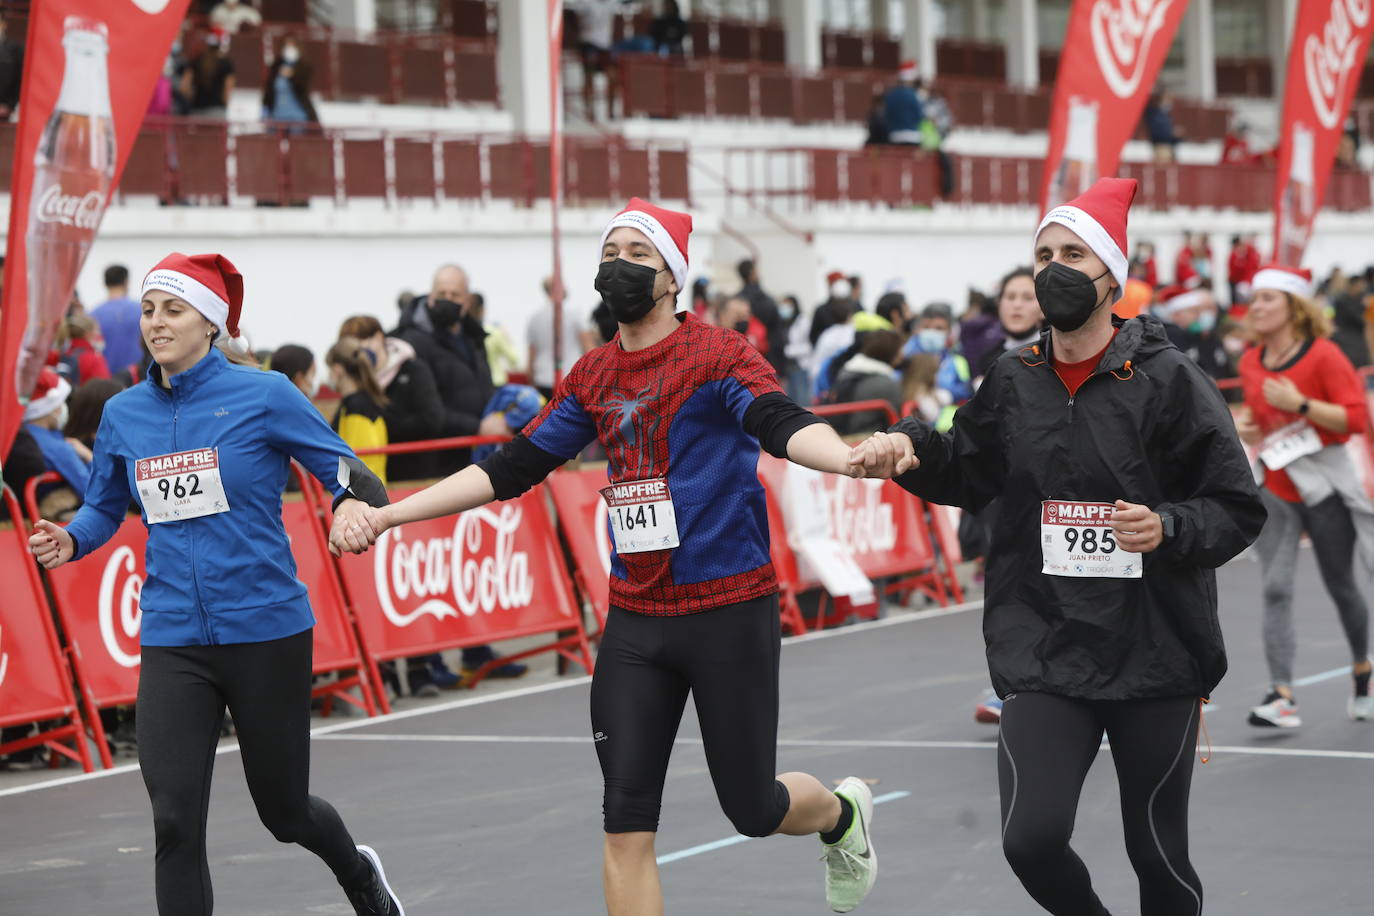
(692, 408)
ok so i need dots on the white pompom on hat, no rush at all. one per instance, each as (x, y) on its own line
(210, 284)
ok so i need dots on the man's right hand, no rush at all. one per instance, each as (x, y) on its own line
(51, 544)
(885, 455)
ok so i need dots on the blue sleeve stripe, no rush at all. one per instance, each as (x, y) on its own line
(566, 430)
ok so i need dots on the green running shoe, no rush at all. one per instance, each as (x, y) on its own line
(851, 865)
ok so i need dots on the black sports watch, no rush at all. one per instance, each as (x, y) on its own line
(1305, 406)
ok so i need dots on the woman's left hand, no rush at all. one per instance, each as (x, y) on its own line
(356, 527)
(1138, 529)
(1282, 394)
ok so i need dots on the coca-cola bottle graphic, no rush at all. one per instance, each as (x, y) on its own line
(1078, 166)
(1299, 197)
(73, 171)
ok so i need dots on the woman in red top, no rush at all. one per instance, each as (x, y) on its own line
(1303, 401)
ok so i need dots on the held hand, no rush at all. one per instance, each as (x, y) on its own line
(1282, 394)
(356, 527)
(51, 544)
(1137, 528)
(884, 455)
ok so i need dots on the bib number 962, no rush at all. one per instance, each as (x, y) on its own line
(173, 487)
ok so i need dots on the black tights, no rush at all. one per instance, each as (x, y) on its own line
(182, 694)
(1046, 747)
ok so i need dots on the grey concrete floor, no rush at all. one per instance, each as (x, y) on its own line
(490, 803)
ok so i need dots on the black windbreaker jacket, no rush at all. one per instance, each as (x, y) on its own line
(1148, 427)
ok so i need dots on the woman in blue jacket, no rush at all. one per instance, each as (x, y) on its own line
(205, 446)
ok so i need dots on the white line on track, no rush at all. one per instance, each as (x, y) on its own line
(321, 730)
(740, 838)
(1323, 676)
(1240, 750)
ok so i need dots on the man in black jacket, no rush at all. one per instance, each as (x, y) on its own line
(1122, 487)
(765, 309)
(452, 343)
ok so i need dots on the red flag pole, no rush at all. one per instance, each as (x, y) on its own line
(556, 177)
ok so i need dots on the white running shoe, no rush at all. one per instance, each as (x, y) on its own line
(851, 865)
(1361, 705)
(1276, 711)
(375, 897)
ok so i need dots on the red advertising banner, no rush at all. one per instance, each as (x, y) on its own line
(89, 71)
(34, 683)
(1113, 50)
(1325, 60)
(582, 515)
(880, 523)
(485, 575)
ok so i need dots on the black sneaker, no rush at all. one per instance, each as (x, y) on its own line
(374, 897)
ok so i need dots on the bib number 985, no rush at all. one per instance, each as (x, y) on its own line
(1090, 541)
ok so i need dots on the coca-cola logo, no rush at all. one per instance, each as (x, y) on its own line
(81, 211)
(118, 610)
(1330, 60)
(859, 517)
(476, 569)
(1123, 32)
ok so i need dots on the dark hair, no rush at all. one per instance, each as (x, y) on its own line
(882, 345)
(745, 268)
(348, 354)
(85, 408)
(116, 275)
(291, 360)
(889, 304)
(363, 327)
(941, 310)
(1016, 272)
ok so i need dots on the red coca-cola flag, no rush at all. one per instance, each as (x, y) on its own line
(1113, 50)
(90, 67)
(1330, 41)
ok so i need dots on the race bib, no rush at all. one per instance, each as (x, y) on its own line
(642, 516)
(1076, 540)
(1289, 443)
(180, 485)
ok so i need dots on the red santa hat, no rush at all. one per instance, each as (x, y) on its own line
(49, 394)
(209, 284)
(1173, 299)
(1098, 217)
(667, 229)
(908, 71)
(1294, 280)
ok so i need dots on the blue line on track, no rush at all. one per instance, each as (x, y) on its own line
(740, 838)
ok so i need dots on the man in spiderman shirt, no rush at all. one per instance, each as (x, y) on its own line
(681, 409)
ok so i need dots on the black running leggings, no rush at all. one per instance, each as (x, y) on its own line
(1046, 746)
(182, 694)
(728, 659)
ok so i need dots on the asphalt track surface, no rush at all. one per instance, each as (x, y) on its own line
(491, 804)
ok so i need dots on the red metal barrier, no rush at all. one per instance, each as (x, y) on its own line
(100, 615)
(35, 680)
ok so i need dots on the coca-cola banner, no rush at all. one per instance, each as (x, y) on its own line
(1113, 50)
(98, 602)
(877, 522)
(1325, 60)
(488, 574)
(33, 684)
(90, 67)
(582, 515)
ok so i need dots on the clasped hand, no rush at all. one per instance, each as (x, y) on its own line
(356, 527)
(883, 455)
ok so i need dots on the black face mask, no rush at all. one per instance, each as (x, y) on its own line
(627, 289)
(1067, 296)
(444, 313)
